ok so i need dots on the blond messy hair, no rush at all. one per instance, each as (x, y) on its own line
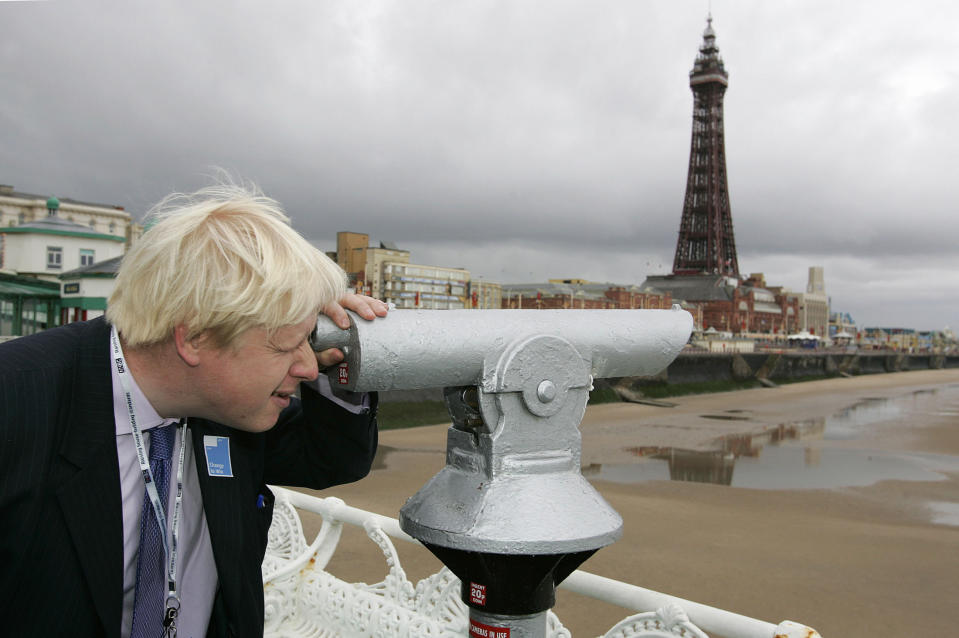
(221, 261)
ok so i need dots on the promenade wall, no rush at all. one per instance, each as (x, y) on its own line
(695, 367)
(700, 367)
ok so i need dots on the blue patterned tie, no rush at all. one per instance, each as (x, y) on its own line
(150, 600)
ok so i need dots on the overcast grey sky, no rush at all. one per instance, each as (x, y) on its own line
(522, 140)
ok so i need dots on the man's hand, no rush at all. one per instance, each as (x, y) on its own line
(366, 307)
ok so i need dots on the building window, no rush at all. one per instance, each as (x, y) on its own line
(86, 257)
(93, 224)
(54, 257)
(113, 228)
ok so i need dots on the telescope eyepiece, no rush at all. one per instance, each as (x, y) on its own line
(326, 335)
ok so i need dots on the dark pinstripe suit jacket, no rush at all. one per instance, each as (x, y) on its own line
(61, 549)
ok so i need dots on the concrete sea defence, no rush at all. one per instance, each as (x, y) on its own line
(766, 367)
(785, 366)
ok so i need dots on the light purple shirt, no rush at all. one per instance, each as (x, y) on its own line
(196, 571)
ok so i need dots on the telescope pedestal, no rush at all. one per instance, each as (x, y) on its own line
(508, 592)
(510, 514)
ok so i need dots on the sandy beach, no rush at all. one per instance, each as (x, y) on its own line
(855, 556)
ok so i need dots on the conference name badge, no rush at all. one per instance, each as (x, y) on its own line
(217, 455)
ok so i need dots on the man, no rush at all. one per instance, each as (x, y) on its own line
(106, 529)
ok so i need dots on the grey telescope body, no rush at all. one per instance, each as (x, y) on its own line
(510, 514)
(516, 385)
(416, 349)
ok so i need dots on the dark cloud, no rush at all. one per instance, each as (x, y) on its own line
(519, 139)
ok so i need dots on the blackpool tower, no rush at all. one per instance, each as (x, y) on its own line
(706, 244)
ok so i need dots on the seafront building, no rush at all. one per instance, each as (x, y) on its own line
(485, 295)
(814, 305)
(889, 338)
(385, 272)
(18, 208)
(582, 295)
(409, 285)
(47, 247)
(729, 304)
(27, 305)
(41, 240)
(84, 291)
(842, 323)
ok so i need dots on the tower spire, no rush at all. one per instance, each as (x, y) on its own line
(706, 243)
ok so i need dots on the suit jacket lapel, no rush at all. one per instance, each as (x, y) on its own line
(90, 499)
(221, 504)
(235, 527)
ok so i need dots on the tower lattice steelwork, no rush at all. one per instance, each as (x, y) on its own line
(706, 243)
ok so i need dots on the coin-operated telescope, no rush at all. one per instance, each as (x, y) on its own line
(510, 514)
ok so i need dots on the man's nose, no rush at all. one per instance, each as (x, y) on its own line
(305, 366)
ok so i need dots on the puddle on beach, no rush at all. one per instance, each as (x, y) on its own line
(944, 512)
(799, 456)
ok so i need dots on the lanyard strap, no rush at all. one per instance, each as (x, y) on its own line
(159, 509)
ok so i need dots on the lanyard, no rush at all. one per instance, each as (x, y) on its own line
(159, 509)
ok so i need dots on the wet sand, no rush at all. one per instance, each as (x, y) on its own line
(847, 561)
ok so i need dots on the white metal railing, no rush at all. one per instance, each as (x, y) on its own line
(303, 599)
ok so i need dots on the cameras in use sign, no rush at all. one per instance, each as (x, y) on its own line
(479, 630)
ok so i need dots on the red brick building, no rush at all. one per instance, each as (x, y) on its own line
(731, 305)
(565, 294)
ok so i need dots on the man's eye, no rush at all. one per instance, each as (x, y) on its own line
(292, 350)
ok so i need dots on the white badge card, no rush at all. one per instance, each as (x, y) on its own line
(217, 455)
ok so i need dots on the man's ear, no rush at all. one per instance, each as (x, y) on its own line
(187, 349)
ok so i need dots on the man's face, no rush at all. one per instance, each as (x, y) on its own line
(247, 385)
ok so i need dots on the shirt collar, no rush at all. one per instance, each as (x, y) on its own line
(147, 417)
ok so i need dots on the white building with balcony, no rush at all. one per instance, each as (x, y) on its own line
(18, 208)
(51, 246)
(425, 287)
